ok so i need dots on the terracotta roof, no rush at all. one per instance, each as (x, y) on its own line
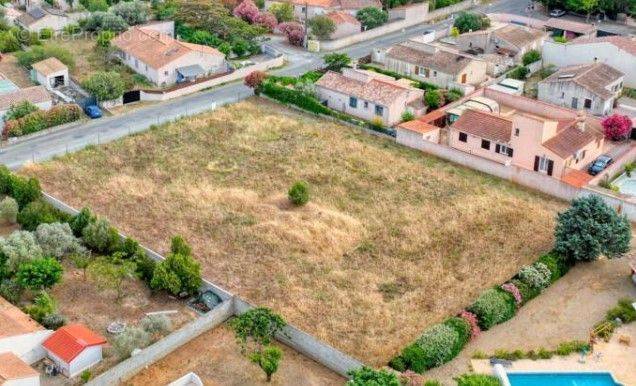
(13, 368)
(484, 125)
(625, 43)
(568, 25)
(155, 48)
(571, 139)
(34, 94)
(343, 4)
(417, 126)
(314, 3)
(69, 341)
(359, 4)
(517, 36)
(577, 178)
(14, 322)
(340, 17)
(442, 61)
(594, 77)
(375, 90)
(49, 66)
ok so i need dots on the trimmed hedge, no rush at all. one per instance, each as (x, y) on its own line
(557, 266)
(40, 212)
(41, 119)
(493, 306)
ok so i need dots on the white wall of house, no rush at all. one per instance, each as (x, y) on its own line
(87, 358)
(563, 55)
(49, 81)
(345, 29)
(27, 347)
(29, 381)
(570, 94)
(474, 73)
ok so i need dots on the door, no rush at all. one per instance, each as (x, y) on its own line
(463, 78)
(132, 96)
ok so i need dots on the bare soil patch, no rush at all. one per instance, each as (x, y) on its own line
(19, 75)
(391, 241)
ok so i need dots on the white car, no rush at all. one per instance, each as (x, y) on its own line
(557, 13)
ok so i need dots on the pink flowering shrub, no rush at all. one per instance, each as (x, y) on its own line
(472, 321)
(514, 291)
(267, 20)
(294, 31)
(617, 127)
(247, 11)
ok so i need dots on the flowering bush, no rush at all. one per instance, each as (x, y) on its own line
(617, 127)
(267, 20)
(294, 31)
(254, 80)
(514, 291)
(493, 306)
(40, 120)
(247, 11)
(537, 275)
(471, 319)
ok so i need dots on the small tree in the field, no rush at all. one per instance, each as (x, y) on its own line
(336, 61)
(365, 376)
(178, 245)
(590, 228)
(81, 220)
(39, 274)
(179, 273)
(322, 26)
(255, 80)
(617, 127)
(112, 274)
(247, 11)
(294, 31)
(268, 360)
(105, 85)
(100, 236)
(299, 193)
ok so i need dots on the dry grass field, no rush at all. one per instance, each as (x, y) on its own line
(391, 241)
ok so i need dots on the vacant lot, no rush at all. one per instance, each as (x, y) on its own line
(391, 241)
(216, 358)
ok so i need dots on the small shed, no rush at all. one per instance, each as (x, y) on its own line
(50, 73)
(14, 371)
(74, 348)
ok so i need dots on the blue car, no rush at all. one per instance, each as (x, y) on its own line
(599, 164)
(93, 111)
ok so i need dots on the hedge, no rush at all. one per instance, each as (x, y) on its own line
(493, 306)
(41, 119)
(24, 190)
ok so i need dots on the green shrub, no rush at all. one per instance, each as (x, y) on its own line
(72, 29)
(560, 39)
(18, 248)
(24, 190)
(177, 274)
(179, 246)
(46, 33)
(493, 306)
(407, 116)
(477, 380)
(42, 119)
(527, 292)
(57, 240)
(310, 76)
(531, 57)
(623, 311)
(537, 275)
(372, 17)
(413, 358)
(129, 340)
(39, 274)
(20, 110)
(105, 85)
(454, 94)
(366, 376)
(294, 97)
(10, 289)
(85, 376)
(462, 327)
(9, 210)
(299, 193)
(397, 364)
(336, 61)
(104, 38)
(571, 347)
(433, 99)
(101, 237)
(145, 267)
(519, 73)
(81, 220)
(39, 212)
(43, 305)
(53, 321)
(39, 53)
(557, 265)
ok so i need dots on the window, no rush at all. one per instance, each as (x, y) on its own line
(434, 73)
(543, 164)
(516, 132)
(463, 137)
(353, 102)
(146, 67)
(379, 110)
(485, 144)
(417, 70)
(165, 73)
(366, 104)
(562, 95)
(136, 63)
(588, 103)
(503, 149)
(575, 103)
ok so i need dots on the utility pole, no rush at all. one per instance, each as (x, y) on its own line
(306, 26)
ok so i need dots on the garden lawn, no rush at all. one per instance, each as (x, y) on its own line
(391, 241)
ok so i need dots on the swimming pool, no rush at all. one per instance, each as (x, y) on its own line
(626, 185)
(562, 379)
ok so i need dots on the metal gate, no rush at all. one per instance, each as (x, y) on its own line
(132, 96)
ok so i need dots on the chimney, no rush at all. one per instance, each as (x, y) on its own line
(580, 120)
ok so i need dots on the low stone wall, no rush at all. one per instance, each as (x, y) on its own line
(153, 353)
(147, 95)
(395, 26)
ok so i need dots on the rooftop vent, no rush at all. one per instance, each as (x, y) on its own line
(566, 76)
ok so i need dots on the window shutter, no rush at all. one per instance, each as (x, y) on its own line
(550, 167)
(510, 151)
(536, 163)
(497, 147)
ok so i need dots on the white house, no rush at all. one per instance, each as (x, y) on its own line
(38, 95)
(165, 60)
(14, 372)
(592, 87)
(311, 8)
(36, 18)
(21, 335)
(50, 73)
(504, 39)
(618, 52)
(74, 348)
(346, 25)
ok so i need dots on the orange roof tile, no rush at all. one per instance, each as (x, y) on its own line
(342, 17)
(484, 125)
(69, 341)
(15, 322)
(12, 368)
(417, 126)
(577, 178)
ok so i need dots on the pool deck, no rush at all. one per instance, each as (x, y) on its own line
(617, 358)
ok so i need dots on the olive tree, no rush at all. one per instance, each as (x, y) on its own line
(105, 85)
(57, 240)
(19, 247)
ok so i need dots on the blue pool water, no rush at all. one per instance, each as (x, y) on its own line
(562, 379)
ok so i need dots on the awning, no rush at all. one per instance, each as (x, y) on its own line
(191, 71)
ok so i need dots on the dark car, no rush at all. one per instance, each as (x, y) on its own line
(557, 13)
(93, 111)
(599, 164)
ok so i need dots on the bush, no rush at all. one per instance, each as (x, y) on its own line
(43, 305)
(133, 12)
(463, 329)
(104, 38)
(255, 80)
(57, 240)
(531, 57)
(472, 321)
(46, 33)
(179, 246)
(623, 311)
(85, 376)
(493, 306)
(101, 237)
(105, 85)
(8, 42)
(469, 21)
(294, 31)
(156, 324)
(433, 99)
(336, 61)
(81, 220)
(537, 275)
(246, 10)
(617, 127)
(18, 248)
(129, 340)
(177, 274)
(407, 116)
(283, 12)
(266, 20)
(24, 190)
(39, 53)
(321, 26)
(366, 376)
(53, 321)
(72, 29)
(10, 289)
(299, 193)
(514, 291)
(40, 120)
(257, 326)
(372, 17)
(39, 274)
(38, 212)
(557, 266)
(575, 346)
(9, 210)
(519, 73)
(268, 360)
(100, 21)
(590, 228)
(145, 267)
(477, 380)
(20, 110)
(527, 292)
(454, 94)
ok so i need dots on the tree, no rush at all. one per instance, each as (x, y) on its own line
(617, 127)
(81, 220)
(584, 6)
(178, 274)
(213, 17)
(294, 31)
(247, 11)
(105, 21)
(433, 99)
(19, 110)
(299, 193)
(112, 274)
(39, 53)
(372, 17)
(9, 210)
(101, 237)
(336, 61)
(81, 262)
(366, 376)
(132, 338)
(531, 57)
(18, 248)
(133, 12)
(469, 21)
(39, 274)
(268, 360)
(255, 80)
(179, 246)
(590, 228)
(283, 12)
(104, 38)
(266, 20)
(43, 305)
(36, 213)
(25, 191)
(96, 5)
(57, 240)
(322, 27)
(8, 42)
(105, 85)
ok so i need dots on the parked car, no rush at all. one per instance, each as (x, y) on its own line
(599, 164)
(557, 13)
(93, 111)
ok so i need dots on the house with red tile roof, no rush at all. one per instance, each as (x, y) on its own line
(15, 372)
(369, 95)
(74, 348)
(151, 52)
(346, 25)
(21, 335)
